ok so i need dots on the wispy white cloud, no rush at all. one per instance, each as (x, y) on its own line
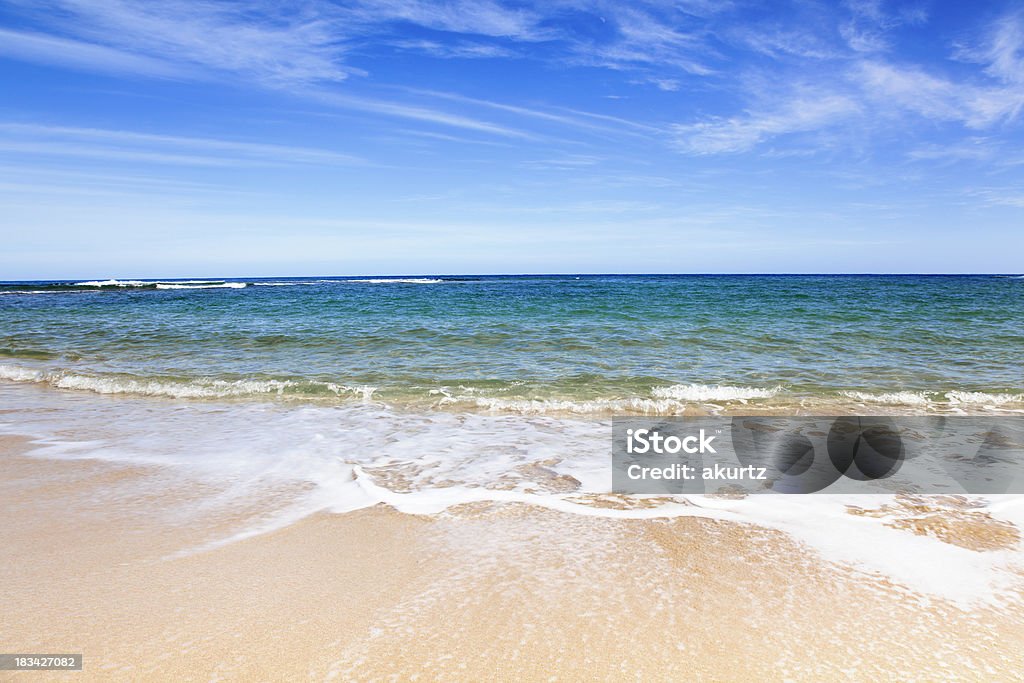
(644, 39)
(861, 39)
(1003, 51)
(972, 149)
(880, 94)
(297, 49)
(646, 128)
(1001, 54)
(573, 119)
(127, 145)
(444, 137)
(803, 113)
(870, 22)
(663, 84)
(418, 113)
(648, 34)
(908, 88)
(459, 50)
(57, 182)
(82, 56)
(273, 44)
(565, 162)
(282, 47)
(779, 42)
(478, 17)
(975, 104)
(116, 154)
(999, 196)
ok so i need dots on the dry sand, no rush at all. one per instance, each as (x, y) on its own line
(115, 563)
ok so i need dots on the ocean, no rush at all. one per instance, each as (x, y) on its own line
(589, 344)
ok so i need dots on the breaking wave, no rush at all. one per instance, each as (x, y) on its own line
(664, 401)
(197, 388)
(929, 399)
(896, 398)
(712, 393)
(221, 285)
(113, 283)
(679, 399)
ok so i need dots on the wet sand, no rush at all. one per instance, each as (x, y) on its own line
(122, 564)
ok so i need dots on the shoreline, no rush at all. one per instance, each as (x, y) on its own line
(668, 400)
(114, 562)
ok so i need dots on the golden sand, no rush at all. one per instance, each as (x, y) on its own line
(116, 563)
(951, 519)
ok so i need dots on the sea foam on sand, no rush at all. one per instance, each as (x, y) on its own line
(347, 457)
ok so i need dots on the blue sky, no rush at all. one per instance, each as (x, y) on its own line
(187, 138)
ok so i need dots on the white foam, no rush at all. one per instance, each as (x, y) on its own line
(161, 284)
(921, 564)
(712, 393)
(227, 285)
(363, 391)
(16, 373)
(201, 388)
(980, 397)
(407, 280)
(210, 389)
(672, 400)
(902, 398)
(524, 406)
(358, 455)
(933, 401)
(187, 282)
(281, 284)
(113, 283)
(667, 401)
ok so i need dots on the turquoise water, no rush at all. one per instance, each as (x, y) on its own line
(587, 344)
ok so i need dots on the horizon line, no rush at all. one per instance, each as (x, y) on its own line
(499, 275)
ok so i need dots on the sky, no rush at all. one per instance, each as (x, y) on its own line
(196, 138)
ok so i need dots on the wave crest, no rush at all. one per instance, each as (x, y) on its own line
(221, 285)
(934, 398)
(981, 397)
(894, 398)
(158, 284)
(712, 393)
(201, 388)
(113, 283)
(677, 399)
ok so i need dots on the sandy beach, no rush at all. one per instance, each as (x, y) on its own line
(123, 564)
